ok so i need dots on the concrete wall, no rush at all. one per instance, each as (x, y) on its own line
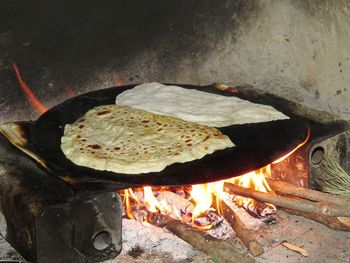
(298, 49)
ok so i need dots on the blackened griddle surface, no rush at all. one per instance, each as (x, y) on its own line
(257, 145)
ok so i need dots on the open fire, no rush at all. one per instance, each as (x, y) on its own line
(203, 196)
(28, 93)
(204, 207)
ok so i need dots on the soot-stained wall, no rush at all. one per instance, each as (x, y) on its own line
(295, 49)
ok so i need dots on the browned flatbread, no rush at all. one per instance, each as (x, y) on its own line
(132, 141)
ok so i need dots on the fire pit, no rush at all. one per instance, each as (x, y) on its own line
(77, 216)
(294, 55)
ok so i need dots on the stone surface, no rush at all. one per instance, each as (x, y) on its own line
(9, 254)
(322, 244)
(146, 243)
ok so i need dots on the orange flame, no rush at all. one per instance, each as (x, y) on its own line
(30, 96)
(119, 81)
(255, 180)
(202, 195)
(70, 91)
(129, 194)
(203, 228)
(127, 204)
(150, 200)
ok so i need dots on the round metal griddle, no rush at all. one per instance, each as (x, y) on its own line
(257, 145)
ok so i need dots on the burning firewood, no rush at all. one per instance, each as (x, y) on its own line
(322, 208)
(245, 234)
(337, 223)
(255, 208)
(227, 250)
(290, 189)
(187, 215)
(181, 206)
(193, 231)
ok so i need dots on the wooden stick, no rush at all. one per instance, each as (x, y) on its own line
(247, 237)
(322, 208)
(329, 221)
(227, 250)
(223, 251)
(287, 188)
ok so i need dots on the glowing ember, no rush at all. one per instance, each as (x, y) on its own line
(203, 227)
(30, 96)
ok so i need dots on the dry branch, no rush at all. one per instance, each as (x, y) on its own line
(247, 237)
(221, 251)
(332, 178)
(331, 222)
(322, 208)
(287, 188)
(227, 250)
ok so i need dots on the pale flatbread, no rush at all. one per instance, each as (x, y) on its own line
(132, 141)
(197, 106)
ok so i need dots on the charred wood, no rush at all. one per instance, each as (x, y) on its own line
(255, 208)
(247, 237)
(331, 222)
(220, 251)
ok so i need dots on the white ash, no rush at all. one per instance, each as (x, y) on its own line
(223, 231)
(175, 199)
(154, 240)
